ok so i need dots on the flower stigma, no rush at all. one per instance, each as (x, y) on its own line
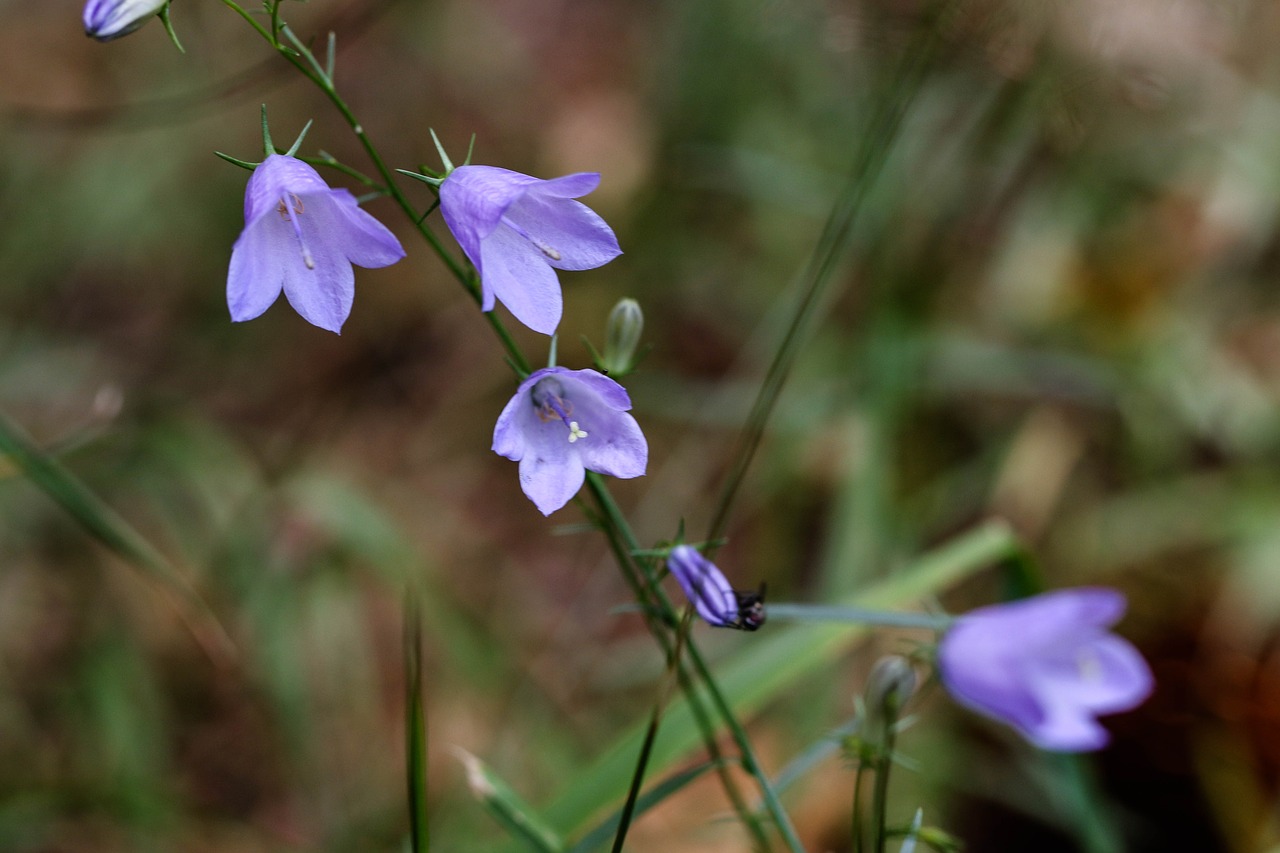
(291, 213)
(548, 399)
(538, 244)
(1088, 666)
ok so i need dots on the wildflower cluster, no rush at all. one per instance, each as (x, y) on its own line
(1048, 666)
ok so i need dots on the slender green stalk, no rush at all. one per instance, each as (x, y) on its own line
(880, 791)
(659, 598)
(658, 614)
(855, 828)
(637, 780)
(651, 734)
(787, 612)
(869, 157)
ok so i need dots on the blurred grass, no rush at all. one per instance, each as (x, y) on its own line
(1061, 309)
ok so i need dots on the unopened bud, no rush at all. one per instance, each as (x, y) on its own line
(105, 20)
(890, 685)
(622, 337)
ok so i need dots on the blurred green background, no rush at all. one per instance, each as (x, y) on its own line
(1060, 307)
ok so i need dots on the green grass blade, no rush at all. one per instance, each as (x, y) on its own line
(510, 810)
(598, 837)
(109, 528)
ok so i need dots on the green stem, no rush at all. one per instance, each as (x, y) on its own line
(659, 598)
(855, 823)
(880, 792)
(659, 614)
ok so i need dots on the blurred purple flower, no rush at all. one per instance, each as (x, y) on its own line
(301, 236)
(105, 20)
(516, 229)
(562, 423)
(1046, 666)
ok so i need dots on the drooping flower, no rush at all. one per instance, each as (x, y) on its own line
(562, 423)
(1048, 666)
(706, 587)
(301, 236)
(518, 230)
(105, 20)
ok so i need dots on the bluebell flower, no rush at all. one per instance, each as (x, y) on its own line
(301, 236)
(706, 587)
(105, 20)
(562, 423)
(518, 230)
(1048, 666)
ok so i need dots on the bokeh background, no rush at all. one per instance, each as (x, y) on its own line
(1059, 307)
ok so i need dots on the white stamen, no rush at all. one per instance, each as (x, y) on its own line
(575, 433)
(538, 244)
(1089, 666)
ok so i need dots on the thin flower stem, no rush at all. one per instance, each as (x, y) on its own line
(785, 612)
(880, 791)
(869, 157)
(650, 735)
(855, 827)
(658, 615)
(749, 762)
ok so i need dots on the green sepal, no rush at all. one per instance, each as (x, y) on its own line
(426, 179)
(243, 164)
(168, 27)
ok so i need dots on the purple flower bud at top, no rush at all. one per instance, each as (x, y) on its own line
(562, 423)
(302, 237)
(518, 230)
(105, 20)
(705, 586)
(1048, 666)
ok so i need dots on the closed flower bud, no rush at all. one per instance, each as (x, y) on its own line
(622, 336)
(889, 687)
(105, 20)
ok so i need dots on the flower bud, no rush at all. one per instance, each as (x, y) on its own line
(105, 20)
(622, 337)
(889, 687)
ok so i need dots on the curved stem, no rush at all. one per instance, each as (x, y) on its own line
(659, 598)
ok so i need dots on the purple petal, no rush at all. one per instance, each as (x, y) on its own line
(108, 19)
(567, 186)
(473, 200)
(365, 241)
(517, 275)
(550, 475)
(323, 292)
(613, 394)
(508, 432)
(704, 585)
(1046, 665)
(257, 273)
(571, 229)
(614, 444)
(275, 177)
